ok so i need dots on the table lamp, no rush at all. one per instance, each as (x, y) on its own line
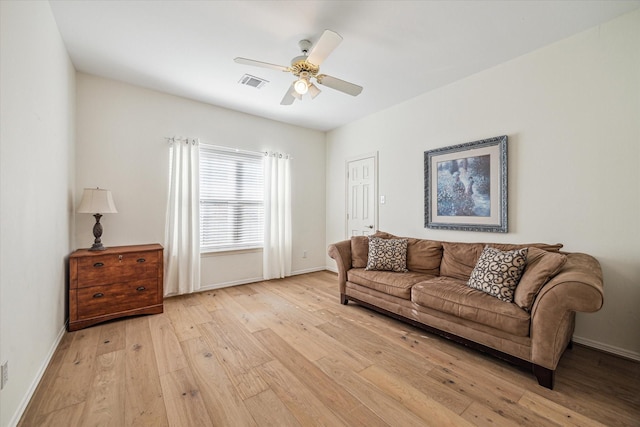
(97, 201)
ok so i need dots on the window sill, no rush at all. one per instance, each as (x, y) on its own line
(229, 251)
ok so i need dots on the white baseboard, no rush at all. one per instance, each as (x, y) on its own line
(34, 384)
(307, 270)
(229, 284)
(332, 269)
(628, 354)
(253, 280)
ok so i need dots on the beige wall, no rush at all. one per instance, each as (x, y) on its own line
(121, 146)
(572, 114)
(36, 194)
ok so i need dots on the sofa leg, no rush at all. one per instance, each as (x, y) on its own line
(343, 299)
(544, 376)
(570, 345)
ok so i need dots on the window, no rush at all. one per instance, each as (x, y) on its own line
(231, 200)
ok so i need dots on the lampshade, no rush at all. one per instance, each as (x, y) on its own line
(313, 90)
(97, 200)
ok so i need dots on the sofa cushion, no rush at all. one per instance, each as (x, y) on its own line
(396, 284)
(459, 259)
(387, 254)
(555, 247)
(453, 296)
(541, 266)
(424, 256)
(359, 251)
(498, 272)
(385, 235)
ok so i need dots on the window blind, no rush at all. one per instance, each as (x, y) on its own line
(231, 200)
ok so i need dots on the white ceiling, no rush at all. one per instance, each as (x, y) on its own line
(396, 50)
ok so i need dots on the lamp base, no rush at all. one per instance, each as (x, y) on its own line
(97, 233)
(97, 247)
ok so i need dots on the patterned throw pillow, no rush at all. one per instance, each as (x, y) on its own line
(387, 254)
(498, 273)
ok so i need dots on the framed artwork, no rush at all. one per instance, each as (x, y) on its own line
(465, 186)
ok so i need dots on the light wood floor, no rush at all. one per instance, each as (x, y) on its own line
(286, 353)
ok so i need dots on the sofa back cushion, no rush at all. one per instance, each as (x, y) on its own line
(424, 256)
(541, 266)
(510, 247)
(359, 251)
(459, 259)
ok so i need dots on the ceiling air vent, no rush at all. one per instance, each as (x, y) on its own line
(253, 81)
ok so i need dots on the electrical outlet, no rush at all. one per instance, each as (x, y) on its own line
(5, 374)
(304, 254)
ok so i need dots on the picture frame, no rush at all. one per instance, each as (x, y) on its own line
(465, 186)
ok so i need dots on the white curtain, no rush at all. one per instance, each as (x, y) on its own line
(182, 232)
(277, 216)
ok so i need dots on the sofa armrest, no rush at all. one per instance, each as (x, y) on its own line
(341, 253)
(577, 287)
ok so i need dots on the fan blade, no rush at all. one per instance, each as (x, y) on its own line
(246, 61)
(337, 84)
(328, 41)
(288, 97)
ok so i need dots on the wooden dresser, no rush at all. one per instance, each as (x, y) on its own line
(119, 281)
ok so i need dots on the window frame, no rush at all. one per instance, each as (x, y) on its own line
(245, 164)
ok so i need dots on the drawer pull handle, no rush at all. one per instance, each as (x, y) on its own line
(141, 260)
(98, 295)
(140, 288)
(98, 264)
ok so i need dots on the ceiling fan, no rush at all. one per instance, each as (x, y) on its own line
(307, 67)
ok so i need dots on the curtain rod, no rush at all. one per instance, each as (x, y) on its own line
(181, 139)
(236, 150)
(230, 149)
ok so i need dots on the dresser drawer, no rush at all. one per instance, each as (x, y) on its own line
(115, 268)
(108, 299)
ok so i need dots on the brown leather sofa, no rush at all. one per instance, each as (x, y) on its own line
(531, 332)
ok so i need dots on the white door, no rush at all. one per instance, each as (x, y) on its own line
(361, 197)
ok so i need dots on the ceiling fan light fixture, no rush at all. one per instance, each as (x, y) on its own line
(301, 86)
(313, 90)
(306, 67)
